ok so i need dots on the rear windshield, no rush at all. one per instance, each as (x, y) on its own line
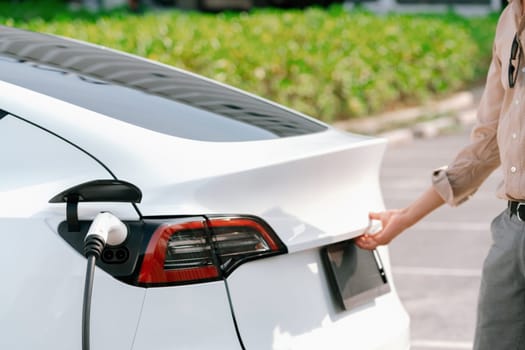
(202, 110)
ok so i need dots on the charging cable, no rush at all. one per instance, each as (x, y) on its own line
(105, 229)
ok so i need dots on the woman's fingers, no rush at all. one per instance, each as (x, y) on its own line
(366, 241)
(390, 229)
(374, 216)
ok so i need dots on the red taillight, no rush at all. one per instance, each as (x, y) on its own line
(177, 253)
(204, 250)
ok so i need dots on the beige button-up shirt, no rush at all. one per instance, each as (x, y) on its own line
(498, 137)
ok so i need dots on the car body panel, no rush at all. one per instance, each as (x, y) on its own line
(47, 301)
(42, 296)
(294, 308)
(187, 317)
(41, 307)
(175, 182)
(314, 185)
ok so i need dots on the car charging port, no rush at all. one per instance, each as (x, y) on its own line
(118, 255)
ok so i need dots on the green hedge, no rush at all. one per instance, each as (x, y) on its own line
(330, 64)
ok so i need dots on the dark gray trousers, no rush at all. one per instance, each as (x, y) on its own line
(501, 306)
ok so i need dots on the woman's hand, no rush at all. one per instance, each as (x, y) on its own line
(396, 221)
(393, 223)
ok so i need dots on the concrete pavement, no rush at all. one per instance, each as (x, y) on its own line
(436, 263)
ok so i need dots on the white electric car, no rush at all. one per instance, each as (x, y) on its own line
(238, 213)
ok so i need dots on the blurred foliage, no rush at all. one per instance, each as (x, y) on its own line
(328, 63)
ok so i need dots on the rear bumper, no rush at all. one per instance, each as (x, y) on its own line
(284, 302)
(194, 316)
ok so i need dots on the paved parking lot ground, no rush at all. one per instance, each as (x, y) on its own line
(437, 263)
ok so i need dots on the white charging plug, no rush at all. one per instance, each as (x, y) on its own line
(108, 228)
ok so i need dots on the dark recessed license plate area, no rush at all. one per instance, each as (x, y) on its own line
(356, 276)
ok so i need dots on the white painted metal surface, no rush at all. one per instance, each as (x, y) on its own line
(43, 277)
(298, 190)
(313, 190)
(189, 317)
(293, 308)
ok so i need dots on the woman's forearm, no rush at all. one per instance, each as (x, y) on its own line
(429, 201)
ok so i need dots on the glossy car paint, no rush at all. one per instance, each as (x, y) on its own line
(313, 190)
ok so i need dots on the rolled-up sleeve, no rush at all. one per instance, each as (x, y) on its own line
(459, 180)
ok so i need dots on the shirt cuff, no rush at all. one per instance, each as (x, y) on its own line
(443, 187)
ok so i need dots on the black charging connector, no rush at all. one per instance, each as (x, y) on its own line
(93, 247)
